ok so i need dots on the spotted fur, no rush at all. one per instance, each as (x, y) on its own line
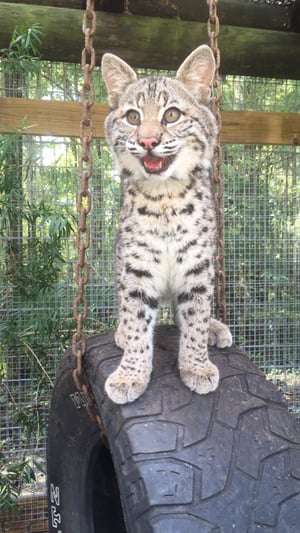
(162, 135)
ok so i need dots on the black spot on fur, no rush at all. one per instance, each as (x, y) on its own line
(141, 244)
(146, 212)
(141, 295)
(156, 198)
(199, 289)
(199, 195)
(142, 210)
(198, 269)
(127, 174)
(188, 209)
(184, 249)
(137, 272)
(184, 297)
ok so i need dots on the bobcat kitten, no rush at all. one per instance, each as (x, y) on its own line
(162, 135)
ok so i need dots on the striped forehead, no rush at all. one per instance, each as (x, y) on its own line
(152, 91)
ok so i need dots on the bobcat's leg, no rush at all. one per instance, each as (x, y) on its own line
(196, 370)
(134, 336)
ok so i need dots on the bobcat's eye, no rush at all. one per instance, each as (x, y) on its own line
(171, 115)
(133, 117)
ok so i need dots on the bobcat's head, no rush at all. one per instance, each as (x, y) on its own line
(161, 127)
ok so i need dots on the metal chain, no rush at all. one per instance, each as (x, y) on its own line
(81, 271)
(213, 28)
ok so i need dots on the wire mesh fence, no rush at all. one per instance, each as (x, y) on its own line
(263, 263)
(39, 181)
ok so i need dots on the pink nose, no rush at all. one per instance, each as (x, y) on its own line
(148, 143)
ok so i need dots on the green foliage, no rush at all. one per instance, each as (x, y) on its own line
(14, 476)
(32, 271)
(33, 239)
(245, 93)
(263, 250)
(23, 53)
(36, 324)
(262, 229)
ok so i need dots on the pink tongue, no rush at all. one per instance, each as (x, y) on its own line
(153, 163)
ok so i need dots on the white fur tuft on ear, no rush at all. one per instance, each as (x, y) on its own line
(197, 73)
(117, 76)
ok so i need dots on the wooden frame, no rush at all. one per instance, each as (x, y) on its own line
(54, 118)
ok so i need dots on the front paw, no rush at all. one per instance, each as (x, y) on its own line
(219, 334)
(202, 379)
(123, 388)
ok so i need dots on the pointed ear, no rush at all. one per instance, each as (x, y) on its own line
(117, 75)
(197, 73)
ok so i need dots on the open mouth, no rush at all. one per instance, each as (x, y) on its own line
(156, 165)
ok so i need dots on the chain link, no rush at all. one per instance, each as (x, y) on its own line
(81, 270)
(213, 29)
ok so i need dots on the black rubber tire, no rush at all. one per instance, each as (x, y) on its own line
(176, 462)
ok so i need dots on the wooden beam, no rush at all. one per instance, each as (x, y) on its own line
(113, 6)
(295, 21)
(232, 12)
(42, 117)
(271, 16)
(45, 117)
(256, 127)
(73, 4)
(154, 42)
